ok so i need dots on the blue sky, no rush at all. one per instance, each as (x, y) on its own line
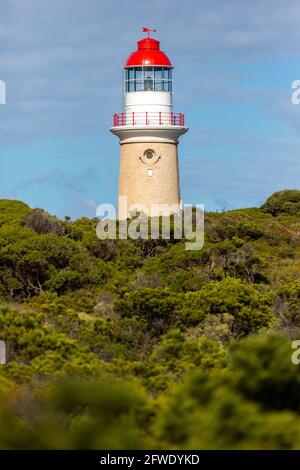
(234, 65)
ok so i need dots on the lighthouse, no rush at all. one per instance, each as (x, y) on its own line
(149, 132)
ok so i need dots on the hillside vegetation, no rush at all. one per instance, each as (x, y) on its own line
(142, 344)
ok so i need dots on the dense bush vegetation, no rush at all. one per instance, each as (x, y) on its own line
(142, 344)
(287, 201)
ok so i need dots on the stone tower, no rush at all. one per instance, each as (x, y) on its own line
(148, 131)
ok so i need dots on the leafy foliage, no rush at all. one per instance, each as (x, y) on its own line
(287, 201)
(142, 344)
(249, 308)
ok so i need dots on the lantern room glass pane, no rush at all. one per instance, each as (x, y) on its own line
(158, 73)
(148, 84)
(139, 73)
(158, 85)
(148, 72)
(130, 74)
(166, 74)
(166, 86)
(130, 86)
(139, 85)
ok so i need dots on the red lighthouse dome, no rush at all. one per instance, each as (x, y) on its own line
(148, 53)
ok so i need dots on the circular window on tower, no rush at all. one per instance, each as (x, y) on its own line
(149, 154)
(149, 157)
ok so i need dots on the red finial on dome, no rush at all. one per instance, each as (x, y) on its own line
(148, 53)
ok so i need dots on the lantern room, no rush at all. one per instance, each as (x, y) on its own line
(148, 68)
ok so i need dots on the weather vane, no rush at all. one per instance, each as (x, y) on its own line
(148, 30)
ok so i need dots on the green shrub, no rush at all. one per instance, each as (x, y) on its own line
(249, 308)
(157, 306)
(283, 202)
